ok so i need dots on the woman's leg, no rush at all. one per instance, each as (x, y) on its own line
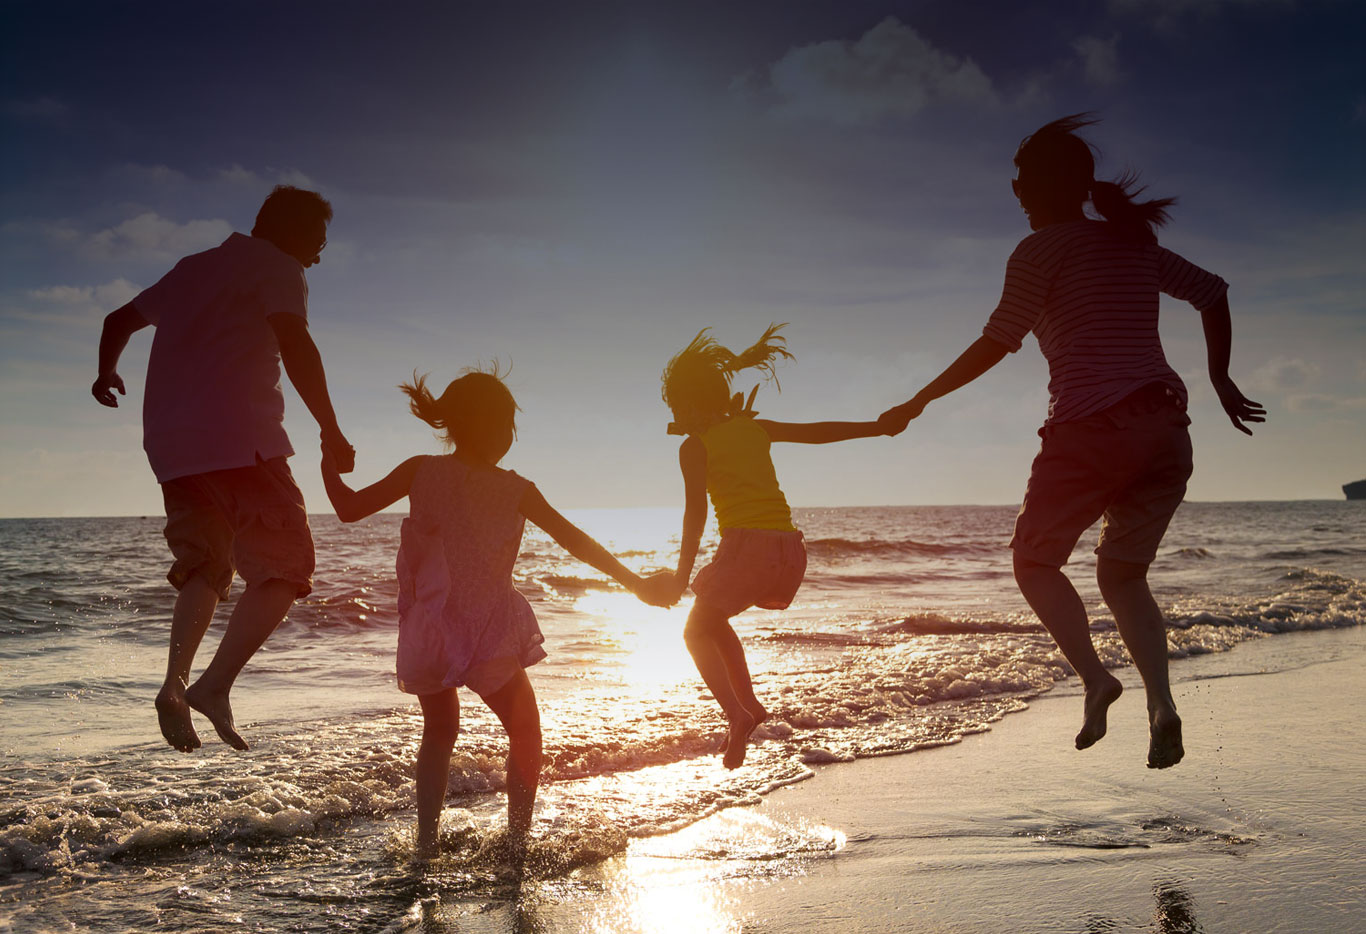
(1124, 585)
(515, 706)
(440, 726)
(1058, 605)
(720, 660)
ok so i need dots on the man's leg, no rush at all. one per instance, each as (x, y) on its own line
(1124, 585)
(194, 608)
(1058, 605)
(259, 610)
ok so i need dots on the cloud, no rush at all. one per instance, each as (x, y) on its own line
(38, 108)
(63, 305)
(889, 73)
(236, 174)
(149, 236)
(1321, 402)
(1281, 373)
(1099, 59)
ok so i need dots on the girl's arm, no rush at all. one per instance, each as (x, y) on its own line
(983, 354)
(819, 432)
(582, 546)
(692, 460)
(352, 505)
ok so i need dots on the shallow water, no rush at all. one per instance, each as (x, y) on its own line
(908, 633)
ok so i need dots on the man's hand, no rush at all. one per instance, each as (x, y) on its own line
(1239, 408)
(894, 421)
(102, 389)
(339, 450)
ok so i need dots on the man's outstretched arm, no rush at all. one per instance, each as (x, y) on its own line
(119, 325)
(304, 365)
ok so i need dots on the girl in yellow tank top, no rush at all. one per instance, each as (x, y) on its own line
(761, 559)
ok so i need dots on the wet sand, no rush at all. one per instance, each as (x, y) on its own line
(1014, 831)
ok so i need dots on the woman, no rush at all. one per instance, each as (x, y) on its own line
(1115, 443)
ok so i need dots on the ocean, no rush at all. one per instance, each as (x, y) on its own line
(907, 634)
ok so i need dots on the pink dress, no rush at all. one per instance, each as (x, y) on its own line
(461, 622)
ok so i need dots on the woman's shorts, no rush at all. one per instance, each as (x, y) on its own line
(753, 567)
(1128, 464)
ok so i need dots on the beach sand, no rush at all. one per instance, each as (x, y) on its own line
(1012, 830)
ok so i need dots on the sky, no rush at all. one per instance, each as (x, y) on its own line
(574, 190)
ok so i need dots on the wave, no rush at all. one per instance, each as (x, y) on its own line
(883, 548)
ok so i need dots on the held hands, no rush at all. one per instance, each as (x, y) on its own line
(659, 589)
(1239, 408)
(102, 388)
(338, 451)
(894, 420)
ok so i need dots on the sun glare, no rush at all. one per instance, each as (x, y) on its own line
(651, 638)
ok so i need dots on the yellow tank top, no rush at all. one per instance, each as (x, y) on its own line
(740, 479)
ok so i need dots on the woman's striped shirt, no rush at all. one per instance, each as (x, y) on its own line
(1091, 298)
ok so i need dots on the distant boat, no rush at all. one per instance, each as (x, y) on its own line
(1355, 490)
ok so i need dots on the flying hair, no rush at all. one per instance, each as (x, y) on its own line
(471, 410)
(698, 377)
(1066, 163)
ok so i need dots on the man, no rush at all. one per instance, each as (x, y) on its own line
(214, 435)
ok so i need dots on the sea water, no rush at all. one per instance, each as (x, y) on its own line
(908, 633)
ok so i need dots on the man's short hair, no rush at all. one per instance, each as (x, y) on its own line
(287, 209)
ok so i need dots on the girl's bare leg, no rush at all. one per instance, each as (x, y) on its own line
(440, 726)
(515, 705)
(1124, 585)
(1058, 605)
(720, 660)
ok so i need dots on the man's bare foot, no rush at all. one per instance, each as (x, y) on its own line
(174, 716)
(1164, 740)
(215, 706)
(737, 740)
(1099, 697)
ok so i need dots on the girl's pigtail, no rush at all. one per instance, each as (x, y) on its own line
(1117, 202)
(423, 404)
(770, 346)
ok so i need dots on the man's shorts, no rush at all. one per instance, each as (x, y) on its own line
(249, 519)
(753, 567)
(1128, 463)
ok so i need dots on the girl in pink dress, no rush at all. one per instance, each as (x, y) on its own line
(461, 620)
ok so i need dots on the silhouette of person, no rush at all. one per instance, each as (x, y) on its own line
(1115, 442)
(213, 431)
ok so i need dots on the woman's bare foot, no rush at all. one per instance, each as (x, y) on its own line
(173, 714)
(737, 740)
(426, 849)
(215, 706)
(1099, 697)
(1164, 740)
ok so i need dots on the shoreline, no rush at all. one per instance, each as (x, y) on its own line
(1013, 830)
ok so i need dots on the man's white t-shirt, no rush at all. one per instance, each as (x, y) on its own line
(213, 399)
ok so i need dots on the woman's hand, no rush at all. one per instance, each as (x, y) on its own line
(894, 421)
(1238, 406)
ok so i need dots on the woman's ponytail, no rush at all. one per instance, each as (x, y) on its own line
(1117, 202)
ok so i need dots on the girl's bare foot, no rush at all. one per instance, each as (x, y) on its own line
(215, 706)
(1099, 697)
(1164, 740)
(173, 714)
(737, 741)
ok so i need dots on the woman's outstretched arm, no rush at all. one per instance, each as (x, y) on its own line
(983, 354)
(692, 460)
(1218, 327)
(353, 505)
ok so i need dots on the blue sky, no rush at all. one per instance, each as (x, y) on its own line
(576, 189)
